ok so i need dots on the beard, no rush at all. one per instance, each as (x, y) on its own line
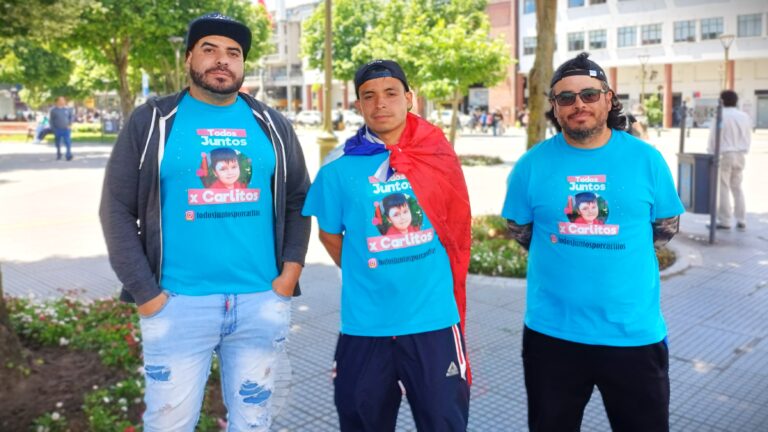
(584, 133)
(213, 85)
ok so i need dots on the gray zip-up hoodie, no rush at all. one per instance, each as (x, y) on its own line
(130, 202)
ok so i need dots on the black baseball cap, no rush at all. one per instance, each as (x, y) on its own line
(379, 69)
(579, 65)
(219, 25)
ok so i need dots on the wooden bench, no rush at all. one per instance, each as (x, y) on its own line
(18, 128)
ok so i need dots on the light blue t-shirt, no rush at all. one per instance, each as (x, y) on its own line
(217, 217)
(396, 277)
(593, 276)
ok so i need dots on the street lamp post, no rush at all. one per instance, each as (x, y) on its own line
(643, 61)
(327, 140)
(262, 93)
(726, 40)
(176, 42)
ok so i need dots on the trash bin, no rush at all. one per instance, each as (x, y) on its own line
(111, 126)
(693, 181)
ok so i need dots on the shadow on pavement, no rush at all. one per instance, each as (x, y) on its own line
(89, 159)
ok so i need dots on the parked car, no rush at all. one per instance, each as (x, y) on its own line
(309, 118)
(443, 118)
(290, 116)
(352, 119)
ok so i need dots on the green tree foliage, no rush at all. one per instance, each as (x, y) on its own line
(36, 68)
(350, 22)
(653, 110)
(451, 57)
(443, 46)
(38, 19)
(32, 49)
(134, 36)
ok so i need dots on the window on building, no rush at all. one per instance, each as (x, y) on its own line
(597, 39)
(750, 25)
(685, 31)
(711, 28)
(529, 45)
(576, 41)
(594, 2)
(575, 3)
(650, 34)
(529, 6)
(627, 36)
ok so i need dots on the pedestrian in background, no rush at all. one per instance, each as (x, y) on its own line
(61, 118)
(735, 139)
(498, 123)
(589, 204)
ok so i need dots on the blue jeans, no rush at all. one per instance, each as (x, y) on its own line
(66, 136)
(247, 331)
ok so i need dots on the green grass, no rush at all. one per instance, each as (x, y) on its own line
(77, 137)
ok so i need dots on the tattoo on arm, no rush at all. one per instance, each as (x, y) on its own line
(520, 233)
(664, 229)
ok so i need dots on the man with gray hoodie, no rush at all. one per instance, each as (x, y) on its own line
(201, 211)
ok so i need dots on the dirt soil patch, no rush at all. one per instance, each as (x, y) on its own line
(56, 375)
(61, 375)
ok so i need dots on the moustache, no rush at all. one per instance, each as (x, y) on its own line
(221, 69)
(579, 112)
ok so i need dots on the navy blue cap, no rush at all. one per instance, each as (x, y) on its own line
(379, 69)
(219, 25)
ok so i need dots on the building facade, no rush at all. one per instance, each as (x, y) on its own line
(505, 96)
(279, 77)
(675, 49)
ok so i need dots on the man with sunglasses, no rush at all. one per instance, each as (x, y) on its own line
(593, 314)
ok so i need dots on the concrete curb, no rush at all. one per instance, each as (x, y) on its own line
(476, 279)
(686, 256)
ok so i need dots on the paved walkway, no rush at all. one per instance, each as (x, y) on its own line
(714, 299)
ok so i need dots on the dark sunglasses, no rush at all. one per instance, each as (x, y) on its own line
(567, 98)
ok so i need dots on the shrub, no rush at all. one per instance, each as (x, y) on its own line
(110, 328)
(493, 252)
(665, 256)
(480, 160)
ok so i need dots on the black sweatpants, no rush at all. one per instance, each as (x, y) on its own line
(560, 376)
(431, 367)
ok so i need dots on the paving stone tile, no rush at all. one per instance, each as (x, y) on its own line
(709, 345)
(728, 413)
(754, 361)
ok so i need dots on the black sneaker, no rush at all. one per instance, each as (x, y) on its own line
(741, 226)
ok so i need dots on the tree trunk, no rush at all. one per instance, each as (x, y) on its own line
(168, 84)
(10, 347)
(454, 117)
(120, 50)
(541, 73)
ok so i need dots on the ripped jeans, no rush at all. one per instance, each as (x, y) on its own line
(247, 331)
